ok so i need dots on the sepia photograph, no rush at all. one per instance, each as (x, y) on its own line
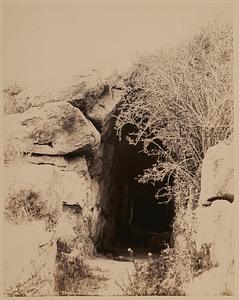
(118, 148)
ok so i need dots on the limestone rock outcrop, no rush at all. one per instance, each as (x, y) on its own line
(80, 89)
(80, 196)
(62, 195)
(102, 108)
(55, 129)
(52, 129)
(214, 225)
(217, 174)
(75, 177)
(32, 207)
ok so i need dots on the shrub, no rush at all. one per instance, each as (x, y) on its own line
(25, 204)
(179, 103)
(149, 276)
(162, 276)
(70, 273)
(11, 104)
(29, 287)
(73, 275)
(12, 152)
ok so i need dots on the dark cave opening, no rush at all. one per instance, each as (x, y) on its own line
(133, 214)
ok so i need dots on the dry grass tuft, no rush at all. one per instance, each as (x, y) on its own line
(11, 104)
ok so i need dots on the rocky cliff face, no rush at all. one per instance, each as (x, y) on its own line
(60, 196)
(59, 136)
(214, 222)
(32, 208)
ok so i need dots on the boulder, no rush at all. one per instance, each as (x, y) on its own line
(81, 195)
(214, 226)
(75, 177)
(79, 188)
(52, 129)
(104, 106)
(94, 94)
(76, 89)
(217, 174)
(82, 91)
(32, 207)
(32, 192)
(214, 222)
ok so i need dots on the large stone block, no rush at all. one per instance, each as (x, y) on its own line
(80, 196)
(29, 259)
(32, 207)
(217, 176)
(52, 129)
(214, 226)
(78, 187)
(104, 106)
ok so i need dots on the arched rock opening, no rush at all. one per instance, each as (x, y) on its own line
(134, 218)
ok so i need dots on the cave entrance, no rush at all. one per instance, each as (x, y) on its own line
(133, 215)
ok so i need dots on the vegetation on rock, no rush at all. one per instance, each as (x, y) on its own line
(73, 276)
(10, 100)
(178, 104)
(26, 204)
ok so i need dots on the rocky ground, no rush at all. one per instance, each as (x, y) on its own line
(115, 274)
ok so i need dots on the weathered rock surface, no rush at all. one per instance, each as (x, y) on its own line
(104, 106)
(53, 129)
(82, 91)
(212, 283)
(32, 206)
(79, 187)
(75, 88)
(75, 177)
(217, 172)
(64, 163)
(60, 132)
(81, 195)
(73, 233)
(29, 259)
(214, 224)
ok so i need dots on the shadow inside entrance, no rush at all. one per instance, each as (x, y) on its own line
(134, 217)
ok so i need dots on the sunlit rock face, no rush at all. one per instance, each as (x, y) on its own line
(214, 223)
(217, 175)
(32, 207)
(57, 130)
(74, 161)
(53, 129)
